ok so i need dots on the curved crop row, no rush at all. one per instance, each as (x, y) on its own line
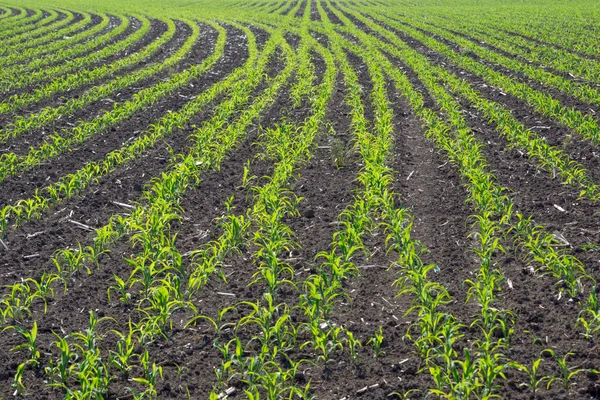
(18, 26)
(24, 124)
(41, 34)
(45, 37)
(549, 157)
(69, 185)
(214, 279)
(209, 148)
(582, 123)
(82, 76)
(560, 60)
(56, 51)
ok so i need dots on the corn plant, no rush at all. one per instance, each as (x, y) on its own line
(535, 380)
(17, 304)
(30, 345)
(566, 373)
(121, 357)
(589, 316)
(151, 373)
(61, 371)
(377, 341)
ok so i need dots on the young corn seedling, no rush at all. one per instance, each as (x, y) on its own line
(217, 323)
(120, 357)
(60, 372)
(43, 287)
(247, 179)
(377, 341)
(145, 273)
(325, 340)
(30, 345)
(535, 380)
(157, 315)
(151, 373)
(121, 288)
(68, 262)
(16, 306)
(589, 316)
(18, 380)
(353, 346)
(236, 228)
(92, 374)
(320, 292)
(566, 373)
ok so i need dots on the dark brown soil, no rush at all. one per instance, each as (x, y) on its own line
(289, 8)
(314, 11)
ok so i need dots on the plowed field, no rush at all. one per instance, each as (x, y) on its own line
(360, 199)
